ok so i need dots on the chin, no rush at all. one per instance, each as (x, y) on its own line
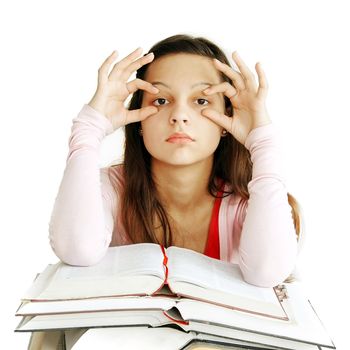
(180, 160)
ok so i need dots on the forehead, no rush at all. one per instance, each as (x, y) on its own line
(184, 68)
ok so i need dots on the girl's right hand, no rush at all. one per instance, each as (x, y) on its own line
(113, 89)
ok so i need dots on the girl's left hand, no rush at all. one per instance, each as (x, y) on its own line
(248, 100)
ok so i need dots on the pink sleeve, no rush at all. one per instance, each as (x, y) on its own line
(268, 245)
(81, 223)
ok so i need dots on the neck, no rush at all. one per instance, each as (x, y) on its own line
(182, 188)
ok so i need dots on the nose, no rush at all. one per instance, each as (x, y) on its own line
(179, 115)
(179, 119)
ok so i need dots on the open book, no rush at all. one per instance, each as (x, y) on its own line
(144, 270)
(167, 338)
(164, 338)
(160, 338)
(303, 331)
(145, 285)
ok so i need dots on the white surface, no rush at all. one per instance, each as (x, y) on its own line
(50, 55)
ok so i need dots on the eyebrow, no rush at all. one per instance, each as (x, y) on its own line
(193, 86)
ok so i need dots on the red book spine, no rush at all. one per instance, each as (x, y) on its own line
(175, 320)
(165, 264)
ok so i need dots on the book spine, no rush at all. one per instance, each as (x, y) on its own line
(179, 321)
(165, 264)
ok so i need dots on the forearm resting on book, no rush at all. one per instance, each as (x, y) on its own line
(268, 244)
(80, 228)
(81, 224)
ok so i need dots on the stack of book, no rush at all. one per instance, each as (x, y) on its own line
(167, 298)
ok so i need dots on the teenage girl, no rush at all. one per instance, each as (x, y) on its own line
(202, 167)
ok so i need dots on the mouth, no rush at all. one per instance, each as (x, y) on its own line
(179, 140)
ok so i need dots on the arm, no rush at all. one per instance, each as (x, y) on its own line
(81, 223)
(268, 244)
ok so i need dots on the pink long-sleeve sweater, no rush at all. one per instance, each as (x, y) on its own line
(257, 234)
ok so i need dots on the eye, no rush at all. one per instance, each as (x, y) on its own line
(198, 99)
(202, 99)
(159, 99)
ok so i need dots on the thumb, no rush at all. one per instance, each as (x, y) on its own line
(218, 118)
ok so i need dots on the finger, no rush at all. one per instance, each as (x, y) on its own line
(236, 77)
(263, 85)
(126, 73)
(246, 72)
(218, 118)
(226, 88)
(137, 84)
(103, 70)
(140, 114)
(122, 64)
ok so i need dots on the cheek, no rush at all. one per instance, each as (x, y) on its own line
(154, 131)
(208, 134)
(208, 126)
(150, 123)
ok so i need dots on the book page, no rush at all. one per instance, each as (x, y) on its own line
(250, 339)
(189, 266)
(303, 325)
(209, 341)
(40, 282)
(164, 338)
(135, 269)
(126, 260)
(151, 318)
(95, 304)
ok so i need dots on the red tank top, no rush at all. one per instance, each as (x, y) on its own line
(212, 247)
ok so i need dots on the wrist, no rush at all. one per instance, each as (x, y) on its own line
(98, 104)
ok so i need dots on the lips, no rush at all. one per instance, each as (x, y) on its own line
(179, 135)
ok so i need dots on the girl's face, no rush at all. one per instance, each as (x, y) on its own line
(181, 79)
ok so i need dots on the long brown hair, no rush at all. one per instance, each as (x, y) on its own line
(139, 202)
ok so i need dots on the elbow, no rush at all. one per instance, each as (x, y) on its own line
(271, 270)
(75, 253)
(77, 256)
(266, 275)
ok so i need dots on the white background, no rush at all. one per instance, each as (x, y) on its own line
(50, 53)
